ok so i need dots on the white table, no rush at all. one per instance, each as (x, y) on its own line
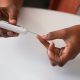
(24, 58)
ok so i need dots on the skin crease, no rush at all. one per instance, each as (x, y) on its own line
(9, 11)
(60, 56)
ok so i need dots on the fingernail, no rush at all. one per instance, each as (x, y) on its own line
(44, 36)
(12, 21)
(41, 36)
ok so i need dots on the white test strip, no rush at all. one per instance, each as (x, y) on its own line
(14, 28)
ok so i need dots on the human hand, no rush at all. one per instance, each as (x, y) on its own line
(9, 10)
(60, 56)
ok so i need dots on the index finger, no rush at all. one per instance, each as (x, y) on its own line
(43, 41)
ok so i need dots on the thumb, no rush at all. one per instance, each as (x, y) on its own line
(66, 54)
(59, 34)
(13, 13)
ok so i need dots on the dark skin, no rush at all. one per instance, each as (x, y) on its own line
(9, 10)
(60, 56)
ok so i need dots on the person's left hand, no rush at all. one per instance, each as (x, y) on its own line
(60, 56)
(9, 10)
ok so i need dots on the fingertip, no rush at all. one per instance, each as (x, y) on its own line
(61, 64)
(39, 37)
(12, 21)
(53, 64)
(51, 46)
(44, 36)
(43, 41)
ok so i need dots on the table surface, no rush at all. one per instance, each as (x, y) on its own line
(24, 58)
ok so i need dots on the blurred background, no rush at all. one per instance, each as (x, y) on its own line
(69, 6)
(37, 3)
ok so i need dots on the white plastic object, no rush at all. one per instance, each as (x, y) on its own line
(14, 28)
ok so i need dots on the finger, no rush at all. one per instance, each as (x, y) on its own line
(13, 13)
(66, 54)
(3, 13)
(73, 57)
(52, 54)
(4, 16)
(6, 33)
(46, 44)
(12, 34)
(3, 33)
(59, 34)
(76, 52)
(43, 41)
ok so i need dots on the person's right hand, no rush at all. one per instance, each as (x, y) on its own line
(60, 56)
(9, 10)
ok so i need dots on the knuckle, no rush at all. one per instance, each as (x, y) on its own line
(50, 34)
(64, 31)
